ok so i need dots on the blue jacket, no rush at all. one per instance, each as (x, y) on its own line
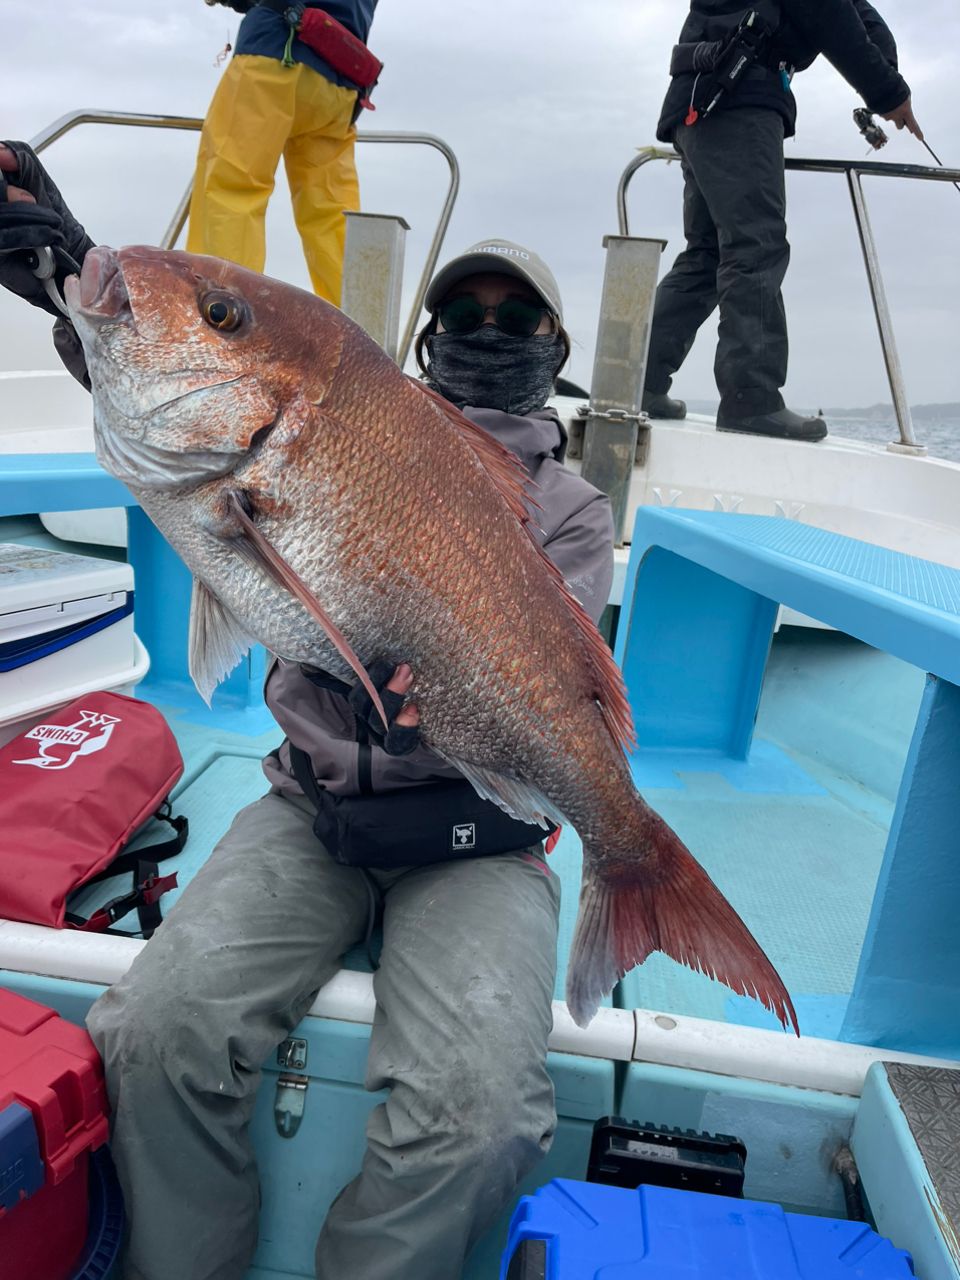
(264, 32)
(849, 33)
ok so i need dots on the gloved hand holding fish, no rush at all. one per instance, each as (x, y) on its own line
(342, 514)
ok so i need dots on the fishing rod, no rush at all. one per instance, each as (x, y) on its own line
(937, 158)
(877, 138)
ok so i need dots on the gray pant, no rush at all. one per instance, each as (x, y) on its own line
(463, 1015)
(734, 206)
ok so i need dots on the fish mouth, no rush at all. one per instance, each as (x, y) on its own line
(100, 294)
(151, 402)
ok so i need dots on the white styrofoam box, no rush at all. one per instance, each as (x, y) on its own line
(48, 601)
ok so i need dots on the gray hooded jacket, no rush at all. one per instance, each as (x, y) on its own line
(574, 526)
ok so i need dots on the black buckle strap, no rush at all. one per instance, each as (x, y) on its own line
(144, 899)
(148, 885)
(129, 862)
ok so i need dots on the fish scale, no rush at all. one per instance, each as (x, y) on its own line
(339, 512)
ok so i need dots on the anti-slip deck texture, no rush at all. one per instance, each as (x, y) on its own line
(922, 581)
(930, 1099)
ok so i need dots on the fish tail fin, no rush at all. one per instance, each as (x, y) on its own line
(669, 904)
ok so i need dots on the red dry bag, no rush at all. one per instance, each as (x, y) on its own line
(73, 790)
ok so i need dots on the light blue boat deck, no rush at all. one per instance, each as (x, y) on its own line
(795, 837)
(800, 859)
(795, 841)
(701, 599)
(799, 866)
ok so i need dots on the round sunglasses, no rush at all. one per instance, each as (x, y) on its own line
(514, 316)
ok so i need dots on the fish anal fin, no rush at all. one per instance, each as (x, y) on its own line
(675, 908)
(518, 799)
(217, 640)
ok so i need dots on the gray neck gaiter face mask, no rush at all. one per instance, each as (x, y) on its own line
(490, 369)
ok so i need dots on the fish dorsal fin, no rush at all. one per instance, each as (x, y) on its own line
(519, 799)
(217, 641)
(503, 466)
(510, 477)
(608, 687)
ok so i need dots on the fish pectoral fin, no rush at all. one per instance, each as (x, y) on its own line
(519, 799)
(217, 641)
(664, 902)
(261, 552)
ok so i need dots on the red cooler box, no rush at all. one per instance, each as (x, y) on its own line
(53, 1114)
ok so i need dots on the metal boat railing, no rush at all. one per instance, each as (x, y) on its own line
(73, 119)
(853, 170)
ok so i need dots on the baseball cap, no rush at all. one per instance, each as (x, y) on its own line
(504, 257)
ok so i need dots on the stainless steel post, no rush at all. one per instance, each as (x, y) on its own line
(623, 339)
(179, 219)
(373, 275)
(908, 442)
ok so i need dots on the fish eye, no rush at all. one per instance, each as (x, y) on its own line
(221, 311)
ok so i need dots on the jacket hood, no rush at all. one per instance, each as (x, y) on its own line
(532, 437)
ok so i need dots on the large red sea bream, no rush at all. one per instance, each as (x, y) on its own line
(339, 512)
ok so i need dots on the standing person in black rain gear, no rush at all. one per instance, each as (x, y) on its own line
(734, 200)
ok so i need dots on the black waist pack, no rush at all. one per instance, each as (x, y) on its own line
(435, 822)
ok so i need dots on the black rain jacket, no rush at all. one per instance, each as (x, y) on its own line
(849, 33)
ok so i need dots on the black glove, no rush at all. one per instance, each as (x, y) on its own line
(399, 740)
(31, 226)
(28, 226)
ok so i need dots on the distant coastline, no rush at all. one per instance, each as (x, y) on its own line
(936, 425)
(949, 411)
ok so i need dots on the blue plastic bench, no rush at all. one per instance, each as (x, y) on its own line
(700, 605)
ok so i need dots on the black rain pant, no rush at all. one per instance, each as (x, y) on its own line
(734, 205)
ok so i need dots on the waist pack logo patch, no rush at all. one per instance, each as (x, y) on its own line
(61, 745)
(465, 835)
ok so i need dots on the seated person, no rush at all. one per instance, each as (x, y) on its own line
(467, 971)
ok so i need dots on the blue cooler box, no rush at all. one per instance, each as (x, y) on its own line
(581, 1230)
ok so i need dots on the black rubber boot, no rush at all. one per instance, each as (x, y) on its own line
(662, 406)
(783, 425)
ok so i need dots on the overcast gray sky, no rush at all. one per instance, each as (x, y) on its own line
(544, 104)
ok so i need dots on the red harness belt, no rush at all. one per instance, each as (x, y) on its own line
(339, 47)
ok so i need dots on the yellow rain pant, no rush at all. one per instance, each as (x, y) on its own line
(260, 111)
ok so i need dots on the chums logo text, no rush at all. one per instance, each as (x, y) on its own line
(61, 745)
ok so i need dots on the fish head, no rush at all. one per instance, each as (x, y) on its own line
(192, 361)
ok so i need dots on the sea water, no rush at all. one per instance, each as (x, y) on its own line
(940, 433)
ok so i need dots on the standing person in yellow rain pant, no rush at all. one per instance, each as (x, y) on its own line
(278, 97)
